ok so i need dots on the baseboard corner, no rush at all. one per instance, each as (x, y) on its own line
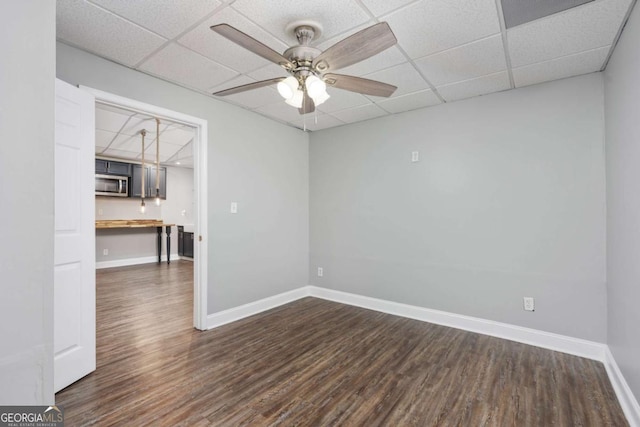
(628, 401)
(237, 313)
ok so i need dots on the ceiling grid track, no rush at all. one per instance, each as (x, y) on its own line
(505, 42)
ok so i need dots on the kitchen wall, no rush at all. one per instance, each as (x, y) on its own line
(124, 244)
(507, 201)
(262, 165)
(622, 104)
(27, 119)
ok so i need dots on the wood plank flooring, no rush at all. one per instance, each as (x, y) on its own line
(315, 363)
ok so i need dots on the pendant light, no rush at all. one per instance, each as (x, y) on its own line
(157, 162)
(142, 174)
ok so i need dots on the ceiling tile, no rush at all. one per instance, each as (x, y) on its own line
(412, 101)
(466, 62)
(176, 135)
(256, 98)
(380, 7)
(582, 28)
(179, 64)
(103, 138)
(165, 17)
(280, 111)
(431, 26)
(335, 16)
(358, 114)
(480, 86)
(316, 122)
(518, 12)
(341, 100)
(381, 61)
(404, 76)
(99, 31)
(566, 66)
(271, 71)
(111, 120)
(220, 49)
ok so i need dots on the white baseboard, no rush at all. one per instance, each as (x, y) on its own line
(133, 261)
(551, 341)
(564, 344)
(246, 310)
(626, 398)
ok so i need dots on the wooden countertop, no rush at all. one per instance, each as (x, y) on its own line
(130, 223)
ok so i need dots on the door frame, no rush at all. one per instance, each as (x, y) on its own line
(200, 189)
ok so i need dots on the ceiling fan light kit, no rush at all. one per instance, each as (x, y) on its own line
(306, 86)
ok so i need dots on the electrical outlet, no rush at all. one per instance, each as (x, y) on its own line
(320, 272)
(529, 304)
(105, 252)
(234, 207)
(415, 156)
(100, 212)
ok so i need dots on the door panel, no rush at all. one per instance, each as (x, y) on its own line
(74, 257)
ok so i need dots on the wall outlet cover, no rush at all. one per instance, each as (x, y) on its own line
(320, 272)
(529, 304)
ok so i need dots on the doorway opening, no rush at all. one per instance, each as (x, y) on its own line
(182, 149)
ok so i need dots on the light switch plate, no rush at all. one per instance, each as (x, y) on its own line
(415, 156)
(234, 207)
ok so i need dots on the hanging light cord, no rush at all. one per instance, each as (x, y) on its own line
(157, 161)
(143, 132)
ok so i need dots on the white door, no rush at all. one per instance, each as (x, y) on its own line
(74, 321)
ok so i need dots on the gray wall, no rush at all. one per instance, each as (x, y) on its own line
(263, 165)
(508, 200)
(125, 244)
(27, 86)
(622, 106)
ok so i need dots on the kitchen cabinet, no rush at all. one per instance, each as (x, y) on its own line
(149, 182)
(185, 242)
(108, 167)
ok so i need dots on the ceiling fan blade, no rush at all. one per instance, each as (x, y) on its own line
(359, 85)
(356, 48)
(249, 43)
(308, 106)
(250, 86)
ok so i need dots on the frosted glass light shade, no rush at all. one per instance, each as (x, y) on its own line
(315, 86)
(287, 88)
(296, 99)
(320, 99)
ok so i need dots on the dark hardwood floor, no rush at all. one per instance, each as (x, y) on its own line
(315, 363)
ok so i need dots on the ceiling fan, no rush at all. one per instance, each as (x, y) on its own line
(312, 70)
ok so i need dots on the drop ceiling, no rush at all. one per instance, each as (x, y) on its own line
(118, 136)
(447, 49)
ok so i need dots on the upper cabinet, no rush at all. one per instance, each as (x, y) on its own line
(149, 182)
(109, 167)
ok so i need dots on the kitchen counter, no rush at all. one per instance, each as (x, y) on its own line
(141, 223)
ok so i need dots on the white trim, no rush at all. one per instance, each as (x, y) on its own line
(246, 310)
(548, 340)
(200, 281)
(133, 261)
(629, 404)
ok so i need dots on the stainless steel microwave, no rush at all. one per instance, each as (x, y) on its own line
(112, 185)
